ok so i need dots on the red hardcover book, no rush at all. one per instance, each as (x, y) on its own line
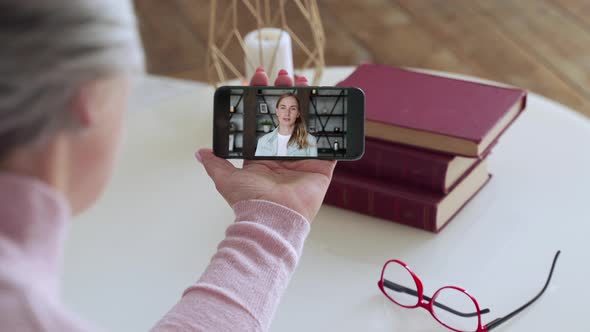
(434, 112)
(391, 162)
(402, 204)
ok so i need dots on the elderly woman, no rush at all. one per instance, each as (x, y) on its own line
(65, 73)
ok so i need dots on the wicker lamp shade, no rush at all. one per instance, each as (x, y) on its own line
(231, 20)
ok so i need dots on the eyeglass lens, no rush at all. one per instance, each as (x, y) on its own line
(399, 277)
(459, 301)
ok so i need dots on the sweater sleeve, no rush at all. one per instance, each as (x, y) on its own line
(244, 282)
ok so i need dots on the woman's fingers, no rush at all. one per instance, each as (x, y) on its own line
(283, 79)
(259, 78)
(301, 81)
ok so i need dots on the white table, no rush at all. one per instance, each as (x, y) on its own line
(153, 232)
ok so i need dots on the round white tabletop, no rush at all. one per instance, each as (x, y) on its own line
(129, 258)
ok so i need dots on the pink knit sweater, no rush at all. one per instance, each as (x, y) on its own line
(239, 290)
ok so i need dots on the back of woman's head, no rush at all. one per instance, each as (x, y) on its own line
(47, 50)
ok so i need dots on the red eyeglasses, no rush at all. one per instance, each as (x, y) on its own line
(451, 306)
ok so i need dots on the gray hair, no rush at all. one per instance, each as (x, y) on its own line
(49, 48)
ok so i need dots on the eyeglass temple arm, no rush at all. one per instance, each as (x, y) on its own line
(496, 322)
(399, 288)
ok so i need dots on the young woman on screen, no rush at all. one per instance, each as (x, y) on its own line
(290, 138)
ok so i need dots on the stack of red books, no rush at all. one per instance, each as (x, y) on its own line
(427, 142)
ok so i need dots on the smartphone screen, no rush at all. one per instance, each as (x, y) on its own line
(289, 123)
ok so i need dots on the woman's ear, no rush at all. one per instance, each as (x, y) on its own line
(81, 105)
(94, 100)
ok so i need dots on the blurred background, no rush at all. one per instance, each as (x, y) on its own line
(539, 45)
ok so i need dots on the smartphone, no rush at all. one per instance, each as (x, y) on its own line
(312, 122)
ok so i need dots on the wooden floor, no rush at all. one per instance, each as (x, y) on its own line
(540, 45)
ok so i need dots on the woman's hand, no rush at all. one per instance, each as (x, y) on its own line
(299, 185)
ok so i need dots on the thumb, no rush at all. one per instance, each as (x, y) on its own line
(216, 167)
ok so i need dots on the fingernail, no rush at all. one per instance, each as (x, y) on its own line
(283, 79)
(260, 69)
(301, 81)
(259, 78)
(198, 156)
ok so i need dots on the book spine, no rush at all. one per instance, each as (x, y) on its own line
(395, 164)
(361, 198)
